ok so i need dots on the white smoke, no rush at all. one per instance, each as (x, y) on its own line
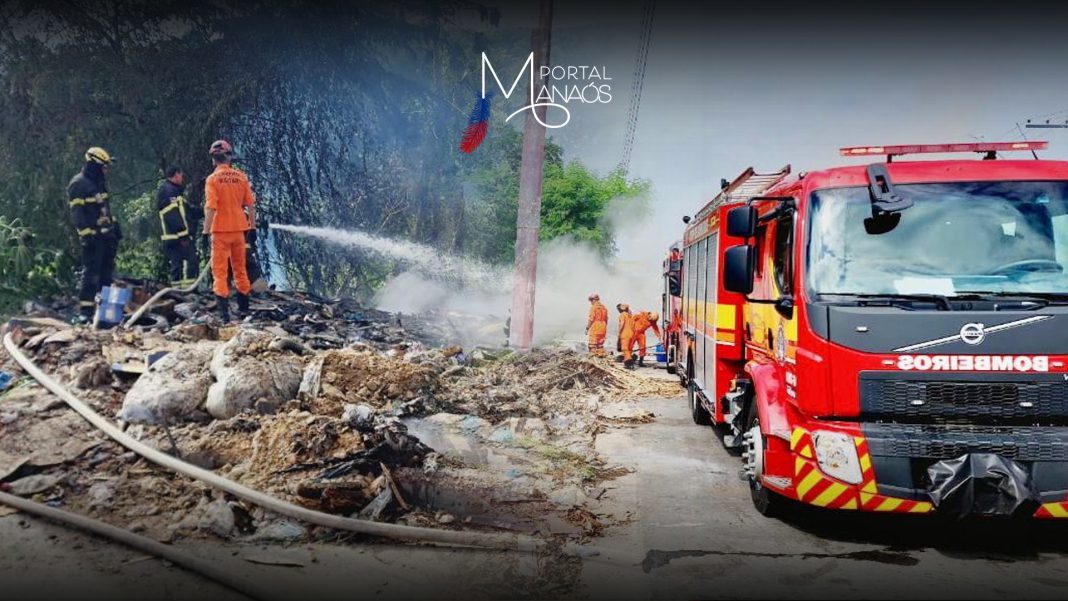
(568, 272)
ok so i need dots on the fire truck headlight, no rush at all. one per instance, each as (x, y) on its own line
(837, 456)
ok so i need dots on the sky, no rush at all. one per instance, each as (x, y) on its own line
(727, 90)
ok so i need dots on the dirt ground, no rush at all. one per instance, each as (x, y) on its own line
(681, 527)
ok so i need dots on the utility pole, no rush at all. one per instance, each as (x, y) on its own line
(528, 219)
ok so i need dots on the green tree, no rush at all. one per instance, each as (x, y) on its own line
(576, 202)
(344, 114)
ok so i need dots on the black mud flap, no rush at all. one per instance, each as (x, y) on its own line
(982, 484)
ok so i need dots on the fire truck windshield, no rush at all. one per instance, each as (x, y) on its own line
(957, 238)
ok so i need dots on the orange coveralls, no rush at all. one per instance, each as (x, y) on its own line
(228, 192)
(597, 328)
(626, 333)
(642, 322)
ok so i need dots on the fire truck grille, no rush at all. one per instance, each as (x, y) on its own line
(917, 401)
(948, 442)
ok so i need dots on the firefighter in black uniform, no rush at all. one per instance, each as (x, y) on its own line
(97, 227)
(176, 219)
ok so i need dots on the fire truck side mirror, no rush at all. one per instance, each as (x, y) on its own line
(742, 222)
(738, 267)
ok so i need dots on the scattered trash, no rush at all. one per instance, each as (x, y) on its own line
(359, 416)
(217, 517)
(173, 388)
(31, 485)
(373, 510)
(280, 530)
(92, 374)
(100, 494)
(244, 372)
(322, 403)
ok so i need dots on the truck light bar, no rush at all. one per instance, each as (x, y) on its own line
(937, 148)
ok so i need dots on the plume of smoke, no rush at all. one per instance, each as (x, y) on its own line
(568, 272)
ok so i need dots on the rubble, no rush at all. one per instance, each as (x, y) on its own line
(324, 404)
(92, 374)
(245, 370)
(31, 485)
(548, 381)
(361, 375)
(173, 388)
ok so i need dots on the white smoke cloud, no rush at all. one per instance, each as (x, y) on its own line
(568, 272)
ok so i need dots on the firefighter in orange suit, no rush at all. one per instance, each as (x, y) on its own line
(596, 326)
(626, 333)
(642, 322)
(229, 211)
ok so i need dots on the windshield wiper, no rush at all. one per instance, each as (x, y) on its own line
(941, 301)
(1043, 298)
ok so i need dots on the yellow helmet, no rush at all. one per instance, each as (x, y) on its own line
(653, 316)
(98, 155)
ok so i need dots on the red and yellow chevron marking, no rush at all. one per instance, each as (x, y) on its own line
(814, 488)
(867, 484)
(870, 500)
(1053, 510)
(801, 443)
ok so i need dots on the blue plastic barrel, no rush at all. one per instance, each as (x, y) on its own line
(661, 356)
(112, 303)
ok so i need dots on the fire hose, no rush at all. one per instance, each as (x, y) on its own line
(486, 540)
(205, 568)
(155, 297)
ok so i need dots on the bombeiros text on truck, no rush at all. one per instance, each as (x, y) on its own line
(886, 337)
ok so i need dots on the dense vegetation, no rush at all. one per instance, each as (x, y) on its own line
(344, 114)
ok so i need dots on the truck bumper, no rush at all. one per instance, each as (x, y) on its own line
(904, 468)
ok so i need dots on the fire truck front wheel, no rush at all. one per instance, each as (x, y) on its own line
(768, 503)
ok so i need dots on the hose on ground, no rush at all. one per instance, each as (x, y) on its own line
(155, 297)
(203, 567)
(394, 531)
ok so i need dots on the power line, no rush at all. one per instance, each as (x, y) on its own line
(640, 60)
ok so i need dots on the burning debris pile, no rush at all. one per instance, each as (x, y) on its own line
(322, 404)
(545, 382)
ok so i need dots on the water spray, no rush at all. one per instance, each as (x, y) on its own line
(426, 259)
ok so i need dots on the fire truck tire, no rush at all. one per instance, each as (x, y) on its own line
(768, 503)
(697, 410)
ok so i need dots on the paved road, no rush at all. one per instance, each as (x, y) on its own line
(696, 535)
(692, 534)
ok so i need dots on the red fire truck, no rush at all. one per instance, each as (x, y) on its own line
(887, 337)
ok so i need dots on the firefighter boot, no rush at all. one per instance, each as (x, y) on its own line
(242, 305)
(629, 364)
(641, 361)
(224, 307)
